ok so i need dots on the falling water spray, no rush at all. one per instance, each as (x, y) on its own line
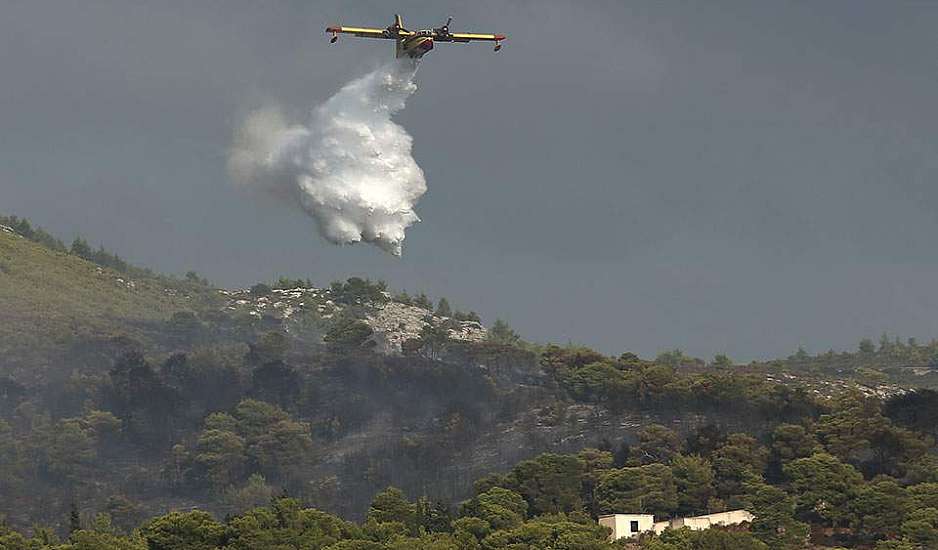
(349, 166)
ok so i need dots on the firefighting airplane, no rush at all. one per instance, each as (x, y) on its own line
(415, 44)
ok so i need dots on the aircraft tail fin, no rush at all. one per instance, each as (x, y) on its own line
(398, 21)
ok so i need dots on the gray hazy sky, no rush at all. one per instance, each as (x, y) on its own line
(737, 177)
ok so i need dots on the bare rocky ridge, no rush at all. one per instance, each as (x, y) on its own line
(393, 323)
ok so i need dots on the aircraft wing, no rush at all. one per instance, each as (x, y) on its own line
(469, 37)
(366, 32)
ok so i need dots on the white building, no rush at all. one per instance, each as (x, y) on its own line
(631, 525)
(722, 519)
(627, 525)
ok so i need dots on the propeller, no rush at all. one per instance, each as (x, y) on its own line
(445, 28)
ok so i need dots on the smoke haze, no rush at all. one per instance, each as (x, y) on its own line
(350, 166)
(741, 180)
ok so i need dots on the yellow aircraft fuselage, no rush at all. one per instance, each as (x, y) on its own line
(415, 44)
(414, 47)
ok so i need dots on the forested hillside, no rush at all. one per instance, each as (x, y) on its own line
(126, 395)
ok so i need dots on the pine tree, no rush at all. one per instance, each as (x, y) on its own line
(443, 308)
(74, 518)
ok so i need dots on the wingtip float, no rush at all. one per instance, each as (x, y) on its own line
(415, 44)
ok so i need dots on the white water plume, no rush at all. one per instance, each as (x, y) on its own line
(350, 166)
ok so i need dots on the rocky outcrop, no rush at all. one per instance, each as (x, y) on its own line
(393, 323)
(280, 303)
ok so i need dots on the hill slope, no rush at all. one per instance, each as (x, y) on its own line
(53, 299)
(158, 393)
